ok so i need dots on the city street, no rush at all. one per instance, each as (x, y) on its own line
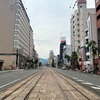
(50, 50)
(9, 78)
(49, 84)
(89, 81)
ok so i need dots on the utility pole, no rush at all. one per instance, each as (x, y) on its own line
(17, 57)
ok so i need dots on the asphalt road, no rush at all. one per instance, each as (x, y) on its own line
(8, 79)
(88, 81)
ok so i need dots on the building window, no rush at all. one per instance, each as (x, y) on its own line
(78, 47)
(78, 41)
(73, 26)
(86, 41)
(87, 58)
(98, 8)
(86, 33)
(77, 14)
(87, 49)
(98, 17)
(78, 30)
(78, 35)
(80, 6)
(77, 19)
(77, 24)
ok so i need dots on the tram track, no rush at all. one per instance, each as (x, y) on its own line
(83, 93)
(47, 84)
(9, 94)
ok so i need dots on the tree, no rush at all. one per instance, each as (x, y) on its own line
(68, 58)
(74, 59)
(92, 47)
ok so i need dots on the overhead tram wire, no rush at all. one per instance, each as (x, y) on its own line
(68, 17)
(40, 47)
(35, 37)
(68, 12)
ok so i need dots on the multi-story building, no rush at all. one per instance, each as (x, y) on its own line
(98, 21)
(75, 32)
(51, 57)
(31, 45)
(98, 27)
(16, 35)
(62, 44)
(78, 26)
(90, 34)
(66, 52)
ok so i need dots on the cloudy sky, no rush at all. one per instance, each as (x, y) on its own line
(50, 20)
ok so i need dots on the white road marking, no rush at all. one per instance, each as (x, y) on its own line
(80, 80)
(97, 85)
(87, 83)
(74, 77)
(98, 88)
(13, 81)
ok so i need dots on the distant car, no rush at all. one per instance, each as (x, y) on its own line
(63, 68)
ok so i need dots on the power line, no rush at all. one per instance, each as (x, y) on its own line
(40, 47)
(68, 17)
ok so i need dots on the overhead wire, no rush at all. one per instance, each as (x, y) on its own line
(40, 47)
(70, 11)
(35, 36)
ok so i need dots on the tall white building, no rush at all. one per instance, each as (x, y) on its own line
(75, 31)
(78, 26)
(90, 34)
(51, 55)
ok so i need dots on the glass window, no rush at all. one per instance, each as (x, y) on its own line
(77, 19)
(78, 41)
(98, 17)
(78, 35)
(77, 24)
(78, 30)
(80, 6)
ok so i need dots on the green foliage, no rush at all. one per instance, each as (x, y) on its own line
(93, 48)
(68, 57)
(74, 55)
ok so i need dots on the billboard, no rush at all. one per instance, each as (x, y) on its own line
(63, 39)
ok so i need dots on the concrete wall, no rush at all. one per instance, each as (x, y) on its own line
(7, 21)
(8, 60)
